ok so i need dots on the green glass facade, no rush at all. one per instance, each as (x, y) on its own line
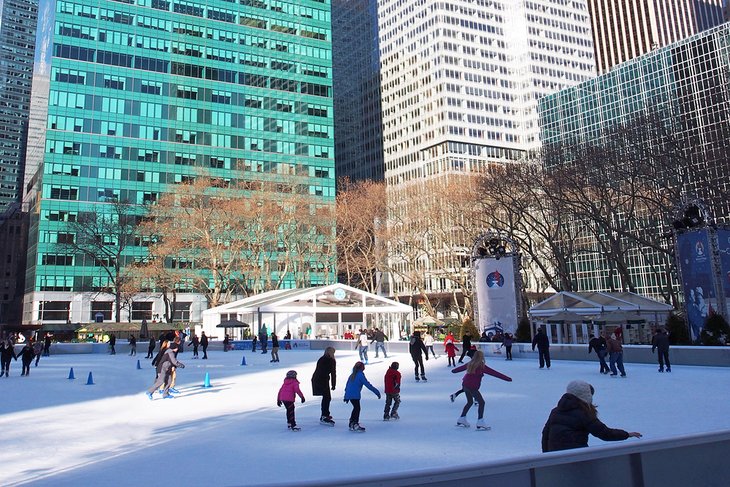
(145, 94)
(684, 89)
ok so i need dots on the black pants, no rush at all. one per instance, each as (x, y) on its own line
(355, 415)
(149, 352)
(26, 367)
(195, 350)
(6, 365)
(290, 419)
(37, 359)
(326, 400)
(391, 399)
(664, 358)
(418, 361)
(508, 352)
(471, 395)
(205, 352)
(464, 351)
(544, 357)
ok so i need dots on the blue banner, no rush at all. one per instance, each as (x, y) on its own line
(698, 285)
(723, 243)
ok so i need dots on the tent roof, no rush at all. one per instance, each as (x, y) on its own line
(592, 304)
(335, 298)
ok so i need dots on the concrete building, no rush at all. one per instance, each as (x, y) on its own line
(146, 94)
(625, 29)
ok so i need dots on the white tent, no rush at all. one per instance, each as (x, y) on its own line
(315, 312)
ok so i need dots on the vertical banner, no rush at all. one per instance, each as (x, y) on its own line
(698, 285)
(723, 244)
(496, 294)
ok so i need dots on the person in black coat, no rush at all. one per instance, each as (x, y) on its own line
(7, 353)
(204, 344)
(151, 347)
(415, 347)
(324, 373)
(543, 348)
(598, 343)
(465, 346)
(274, 348)
(574, 418)
(112, 344)
(660, 342)
(195, 342)
(27, 354)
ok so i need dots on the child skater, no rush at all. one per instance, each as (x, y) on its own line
(27, 354)
(471, 382)
(392, 392)
(287, 394)
(451, 350)
(353, 390)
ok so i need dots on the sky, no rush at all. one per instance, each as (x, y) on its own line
(60, 432)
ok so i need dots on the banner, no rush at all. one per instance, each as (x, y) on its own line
(496, 294)
(723, 243)
(698, 285)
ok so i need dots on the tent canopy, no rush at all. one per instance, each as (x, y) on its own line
(600, 306)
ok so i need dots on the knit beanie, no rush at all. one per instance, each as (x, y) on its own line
(582, 390)
(292, 374)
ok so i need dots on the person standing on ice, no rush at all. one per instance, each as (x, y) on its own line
(7, 353)
(542, 343)
(428, 343)
(287, 395)
(362, 347)
(324, 372)
(195, 342)
(471, 382)
(274, 347)
(450, 351)
(132, 345)
(38, 350)
(353, 391)
(26, 356)
(151, 347)
(204, 344)
(465, 346)
(415, 347)
(574, 418)
(392, 392)
(660, 342)
(600, 346)
(165, 365)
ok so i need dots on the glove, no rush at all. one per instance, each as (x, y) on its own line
(302, 400)
(278, 403)
(333, 388)
(180, 365)
(347, 401)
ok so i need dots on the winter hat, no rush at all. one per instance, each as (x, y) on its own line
(582, 390)
(292, 374)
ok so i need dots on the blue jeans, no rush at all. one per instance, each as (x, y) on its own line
(380, 346)
(616, 359)
(363, 353)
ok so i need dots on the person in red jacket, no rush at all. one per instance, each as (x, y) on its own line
(287, 394)
(471, 382)
(450, 349)
(392, 392)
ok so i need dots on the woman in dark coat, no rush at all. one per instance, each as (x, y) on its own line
(415, 347)
(574, 418)
(325, 371)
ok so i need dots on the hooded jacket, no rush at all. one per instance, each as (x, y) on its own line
(289, 390)
(570, 423)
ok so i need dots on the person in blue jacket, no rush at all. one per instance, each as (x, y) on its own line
(353, 390)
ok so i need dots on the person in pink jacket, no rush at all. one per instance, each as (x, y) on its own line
(475, 370)
(287, 395)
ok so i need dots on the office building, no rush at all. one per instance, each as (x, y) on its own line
(625, 29)
(147, 94)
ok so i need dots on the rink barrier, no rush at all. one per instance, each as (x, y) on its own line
(689, 461)
(679, 355)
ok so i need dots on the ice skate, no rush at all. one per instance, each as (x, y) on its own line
(481, 426)
(149, 395)
(326, 420)
(423, 377)
(462, 422)
(386, 417)
(394, 416)
(294, 428)
(417, 378)
(356, 427)
(452, 397)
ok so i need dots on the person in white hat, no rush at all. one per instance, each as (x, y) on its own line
(574, 418)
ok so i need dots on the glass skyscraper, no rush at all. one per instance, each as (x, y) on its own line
(17, 46)
(145, 94)
(682, 90)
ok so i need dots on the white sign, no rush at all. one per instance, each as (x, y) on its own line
(495, 292)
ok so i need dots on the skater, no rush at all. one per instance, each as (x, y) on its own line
(415, 347)
(471, 382)
(112, 343)
(616, 354)
(660, 342)
(27, 355)
(7, 353)
(151, 347)
(574, 418)
(226, 342)
(543, 348)
(325, 373)
(428, 343)
(38, 350)
(253, 343)
(507, 342)
(465, 346)
(353, 390)
(392, 392)
(195, 342)
(362, 347)
(287, 394)
(132, 345)
(263, 339)
(450, 350)
(47, 345)
(204, 344)
(598, 343)
(165, 362)
(379, 339)
(274, 348)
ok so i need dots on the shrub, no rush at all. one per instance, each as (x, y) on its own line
(678, 330)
